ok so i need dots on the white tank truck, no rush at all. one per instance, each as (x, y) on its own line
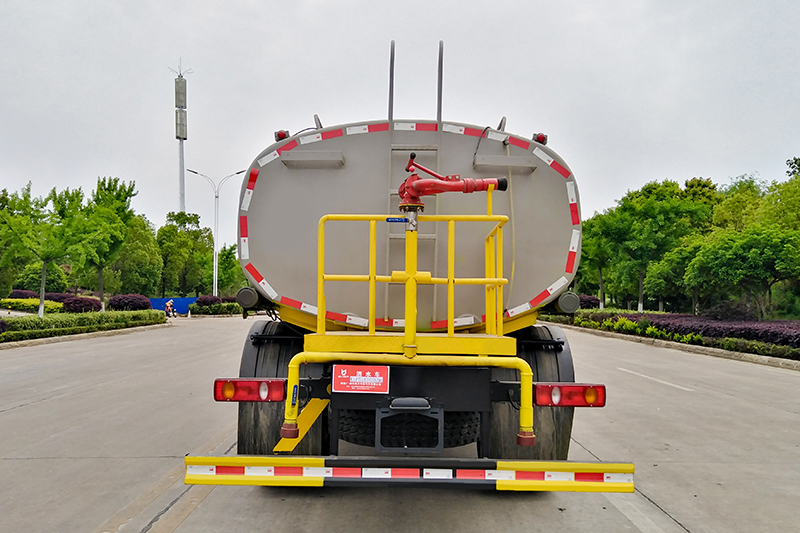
(403, 264)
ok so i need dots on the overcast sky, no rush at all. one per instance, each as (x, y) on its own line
(628, 91)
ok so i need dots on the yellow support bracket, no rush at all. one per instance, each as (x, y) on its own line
(308, 416)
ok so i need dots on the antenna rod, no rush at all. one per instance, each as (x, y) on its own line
(439, 93)
(391, 83)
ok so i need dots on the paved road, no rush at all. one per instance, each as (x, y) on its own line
(93, 432)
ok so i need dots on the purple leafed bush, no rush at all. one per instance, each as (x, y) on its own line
(23, 294)
(3, 326)
(129, 302)
(57, 296)
(78, 304)
(229, 299)
(589, 302)
(782, 332)
(207, 300)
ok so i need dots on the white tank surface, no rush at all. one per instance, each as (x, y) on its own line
(357, 169)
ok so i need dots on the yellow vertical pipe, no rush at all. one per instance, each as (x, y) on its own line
(499, 289)
(293, 384)
(451, 275)
(321, 277)
(491, 298)
(410, 346)
(372, 244)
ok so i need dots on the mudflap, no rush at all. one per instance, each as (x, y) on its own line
(301, 471)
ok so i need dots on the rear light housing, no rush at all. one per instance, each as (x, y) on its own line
(250, 390)
(569, 395)
(281, 135)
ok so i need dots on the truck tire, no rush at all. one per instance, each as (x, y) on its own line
(412, 430)
(260, 422)
(551, 425)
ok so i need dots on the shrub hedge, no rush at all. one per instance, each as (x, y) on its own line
(215, 309)
(57, 296)
(23, 294)
(30, 305)
(207, 300)
(79, 304)
(129, 302)
(33, 327)
(780, 338)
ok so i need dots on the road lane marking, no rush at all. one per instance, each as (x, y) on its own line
(632, 513)
(149, 496)
(656, 380)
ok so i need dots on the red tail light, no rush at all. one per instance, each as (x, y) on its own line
(250, 390)
(570, 394)
(281, 135)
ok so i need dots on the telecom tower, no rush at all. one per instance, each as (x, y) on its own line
(180, 132)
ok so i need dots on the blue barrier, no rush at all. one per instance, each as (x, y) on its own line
(181, 305)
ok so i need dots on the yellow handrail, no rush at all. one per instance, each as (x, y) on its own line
(492, 280)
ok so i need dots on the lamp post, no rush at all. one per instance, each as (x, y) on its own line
(216, 187)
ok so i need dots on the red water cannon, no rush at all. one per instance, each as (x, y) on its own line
(415, 187)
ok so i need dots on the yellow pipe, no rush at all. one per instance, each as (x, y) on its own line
(451, 274)
(499, 290)
(526, 376)
(410, 346)
(372, 231)
(462, 218)
(321, 276)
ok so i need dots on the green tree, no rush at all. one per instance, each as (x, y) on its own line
(740, 204)
(186, 251)
(139, 261)
(794, 166)
(748, 263)
(650, 222)
(104, 226)
(31, 278)
(39, 229)
(665, 278)
(230, 276)
(780, 206)
(597, 250)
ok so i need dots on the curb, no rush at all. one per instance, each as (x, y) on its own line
(79, 336)
(776, 362)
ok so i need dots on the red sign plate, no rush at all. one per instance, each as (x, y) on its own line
(361, 378)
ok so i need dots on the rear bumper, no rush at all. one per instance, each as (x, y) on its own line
(299, 471)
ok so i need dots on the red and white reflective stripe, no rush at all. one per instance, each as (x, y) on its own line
(458, 322)
(437, 473)
(408, 473)
(367, 128)
(542, 296)
(573, 203)
(552, 163)
(244, 248)
(302, 306)
(273, 294)
(324, 135)
(415, 126)
(518, 310)
(275, 154)
(269, 158)
(348, 319)
(248, 191)
(464, 130)
(573, 251)
(389, 473)
(390, 323)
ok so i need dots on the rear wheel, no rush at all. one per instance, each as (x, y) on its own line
(551, 425)
(260, 422)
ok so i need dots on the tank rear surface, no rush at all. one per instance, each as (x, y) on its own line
(357, 169)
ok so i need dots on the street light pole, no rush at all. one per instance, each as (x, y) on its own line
(216, 188)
